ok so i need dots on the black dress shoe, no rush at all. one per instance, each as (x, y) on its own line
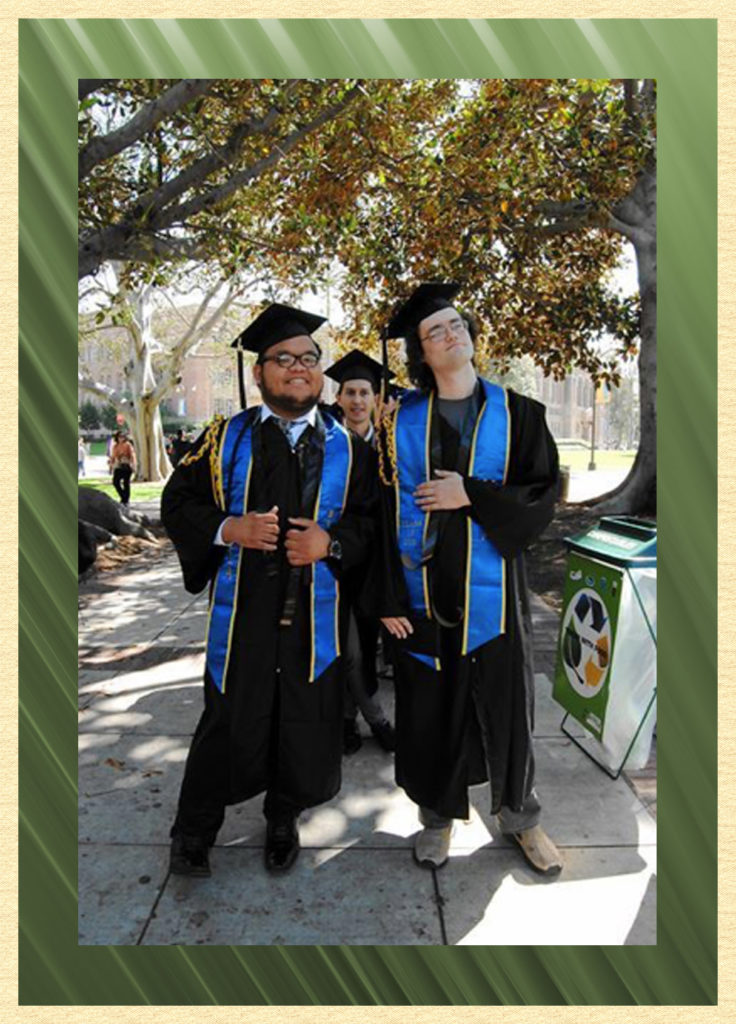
(351, 738)
(385, 735)
(190, 855)
(282, 844)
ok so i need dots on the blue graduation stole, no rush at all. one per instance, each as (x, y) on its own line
(235, 460)
(485, 570)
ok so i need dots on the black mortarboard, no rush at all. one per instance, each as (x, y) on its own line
(357, 366)
(275, 323)
(425, 300)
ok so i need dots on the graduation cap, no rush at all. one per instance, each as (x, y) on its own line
(274, 324)
(357, 366)
(424, 300)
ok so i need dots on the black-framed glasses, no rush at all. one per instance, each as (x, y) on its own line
(286, 360)
(455, 327)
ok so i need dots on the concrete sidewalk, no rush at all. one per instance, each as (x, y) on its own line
(355, 883)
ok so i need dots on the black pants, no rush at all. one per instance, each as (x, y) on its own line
(121, 482)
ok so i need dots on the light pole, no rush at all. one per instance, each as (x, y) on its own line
(591, 464)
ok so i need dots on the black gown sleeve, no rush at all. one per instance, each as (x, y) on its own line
(191, 516)
(514, 514)
(356, 528)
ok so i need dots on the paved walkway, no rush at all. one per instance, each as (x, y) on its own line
(141, 661)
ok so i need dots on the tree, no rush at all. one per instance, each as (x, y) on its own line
(526, 191)
(161, 161)
(152, 345)
(89, 416)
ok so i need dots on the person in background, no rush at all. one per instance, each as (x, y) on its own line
(179, 447)
(358, 377)
(470, 475)
(122, 465)
(81, 456)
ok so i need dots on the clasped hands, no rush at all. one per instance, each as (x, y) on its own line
(304, 544)
(445, 494)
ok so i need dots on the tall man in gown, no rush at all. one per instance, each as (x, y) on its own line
(470, 472)
(268, 510)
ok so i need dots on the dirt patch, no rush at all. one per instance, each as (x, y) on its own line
(546, 557)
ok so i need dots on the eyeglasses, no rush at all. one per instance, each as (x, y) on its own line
(286, 360)
(454, 327)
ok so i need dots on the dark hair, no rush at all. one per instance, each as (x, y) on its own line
(419, 373)
(374, 387)
(261, 355)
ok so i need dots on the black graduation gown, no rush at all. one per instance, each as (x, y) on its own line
(472, 721)
(270, 729)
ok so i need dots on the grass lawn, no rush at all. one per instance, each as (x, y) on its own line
(143, 491)
(578, 458)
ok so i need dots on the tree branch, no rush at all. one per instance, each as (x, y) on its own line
(102, 147)
(279, 150)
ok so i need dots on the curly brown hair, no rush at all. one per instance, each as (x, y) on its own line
(419, 373)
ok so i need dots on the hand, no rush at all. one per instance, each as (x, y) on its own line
(308, 544)
(259, 530)
(442, 495)
(399, 627)
(382, 407)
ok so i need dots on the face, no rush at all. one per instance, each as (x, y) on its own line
(357, 401)
(289, 391)
(446, 342)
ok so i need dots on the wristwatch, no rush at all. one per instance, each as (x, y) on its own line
(335, 549)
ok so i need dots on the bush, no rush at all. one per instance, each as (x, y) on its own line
(89, 416)
(109, 418)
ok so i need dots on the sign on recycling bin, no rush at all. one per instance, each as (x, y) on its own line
(587, 636)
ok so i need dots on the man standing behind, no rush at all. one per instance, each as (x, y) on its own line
(269, 509)
(358, 377)
(471, 478)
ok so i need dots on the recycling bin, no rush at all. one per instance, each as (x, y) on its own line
(606, 671)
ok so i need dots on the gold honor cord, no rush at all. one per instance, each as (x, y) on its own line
(386, 446)
(215, 476)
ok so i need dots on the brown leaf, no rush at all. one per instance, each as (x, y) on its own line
(114, 763)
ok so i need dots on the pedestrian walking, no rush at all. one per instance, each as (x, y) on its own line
(122, 465)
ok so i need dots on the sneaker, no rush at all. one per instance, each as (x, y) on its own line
(432, 846)
(351, 738)
(282, 844)
(189, 855)
(539, 850)
(385, 735)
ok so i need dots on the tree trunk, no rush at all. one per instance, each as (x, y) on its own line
(150, 443)
(638, 492)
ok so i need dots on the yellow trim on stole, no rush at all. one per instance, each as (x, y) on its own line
(469, 530)
(237, 585)
(311, 601)
(428, 475)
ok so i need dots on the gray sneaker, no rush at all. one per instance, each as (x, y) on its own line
(432, 846)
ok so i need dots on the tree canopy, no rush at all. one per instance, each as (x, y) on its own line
(524, 191)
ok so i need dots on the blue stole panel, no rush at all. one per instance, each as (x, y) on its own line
(236, 445)
(235, 467)
(484, 612)
(325, 591)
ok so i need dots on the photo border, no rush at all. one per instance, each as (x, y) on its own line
(681, 969)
